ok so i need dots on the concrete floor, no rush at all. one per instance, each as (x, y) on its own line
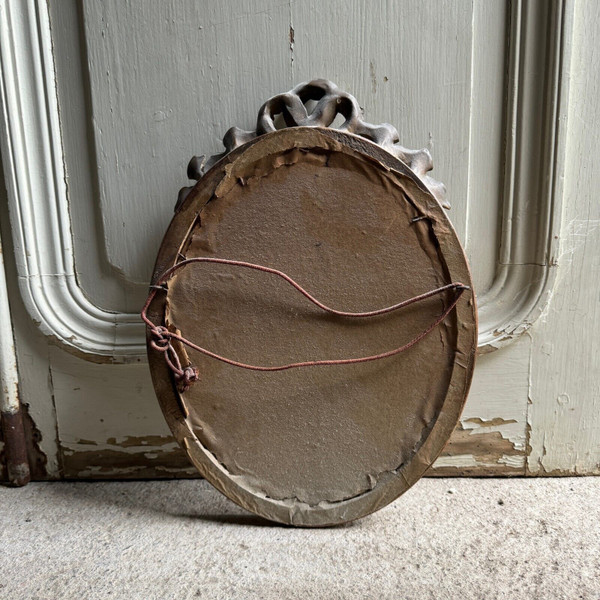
(445, 538)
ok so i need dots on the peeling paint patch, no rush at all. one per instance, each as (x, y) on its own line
(514, 461)
(129, 457)
(489, 422)
(148, 440)
(108, 463)
(496, 425)
(475, 450)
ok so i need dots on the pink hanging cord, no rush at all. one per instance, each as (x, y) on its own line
(185, 376)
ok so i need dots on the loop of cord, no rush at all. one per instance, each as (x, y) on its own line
(186, 376)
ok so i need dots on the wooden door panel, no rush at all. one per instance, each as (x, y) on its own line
(116, 97)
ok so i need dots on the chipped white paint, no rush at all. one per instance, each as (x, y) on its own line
(514, 462)
(457, 461)
(496, 407)
(512, 434)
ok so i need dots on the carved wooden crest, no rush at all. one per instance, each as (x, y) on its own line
(330, 102)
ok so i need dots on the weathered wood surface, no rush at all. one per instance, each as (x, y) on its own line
(142, 86)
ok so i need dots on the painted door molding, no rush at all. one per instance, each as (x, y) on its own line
(533, 174)
(38, 196)
(39, 201)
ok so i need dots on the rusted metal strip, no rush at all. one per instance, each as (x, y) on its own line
(15, 450)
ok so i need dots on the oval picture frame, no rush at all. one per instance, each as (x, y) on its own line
(358, 228)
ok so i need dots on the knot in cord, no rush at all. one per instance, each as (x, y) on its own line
(184, 376)
(188, 376)
(162, 336)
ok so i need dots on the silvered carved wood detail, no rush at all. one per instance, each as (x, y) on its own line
(330, 102)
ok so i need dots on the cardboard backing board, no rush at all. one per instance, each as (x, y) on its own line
(359, 230)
